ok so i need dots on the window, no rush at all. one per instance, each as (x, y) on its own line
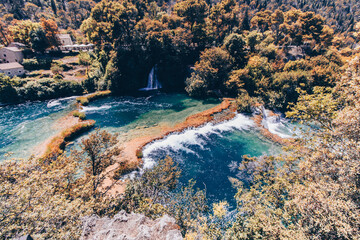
(20, 71)
(9, 72)
(4, 55)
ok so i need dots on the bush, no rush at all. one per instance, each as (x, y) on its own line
(47, 88)
(84, 100)
(56, 69)
(245, 103)
(124, 168)
(7, 90)
(37, 63)
(80, 115)
(84, 59)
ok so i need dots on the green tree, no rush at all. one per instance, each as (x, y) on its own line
(39, 41)
(212, 69)
(236, 46)
(223, 19)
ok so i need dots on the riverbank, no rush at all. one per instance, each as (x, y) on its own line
(70, 127)
(132, 149)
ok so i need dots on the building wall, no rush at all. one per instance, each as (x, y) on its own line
(65, 41)
(13, 72)
(9, 56)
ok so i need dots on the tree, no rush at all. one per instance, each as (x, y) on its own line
(39, 42)
(7, 89)
(194, 11)
(51, 29)
(100, 149)
(156, 192)
(235, 45)
(111, 22)
(262, 20)
(223, 19)
(212, 69)
(48, 199)
(311, 191)
(21, 31)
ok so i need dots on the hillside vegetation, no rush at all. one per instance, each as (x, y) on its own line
(299, 57)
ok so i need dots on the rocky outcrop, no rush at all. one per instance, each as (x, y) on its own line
(124, 226)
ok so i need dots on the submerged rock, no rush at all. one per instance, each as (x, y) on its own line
(124, 226)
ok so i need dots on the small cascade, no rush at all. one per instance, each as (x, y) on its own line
(275, 124)
(153, 82)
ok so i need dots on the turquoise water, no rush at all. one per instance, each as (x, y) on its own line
(209, 154)
(24, 127)
(124, 114)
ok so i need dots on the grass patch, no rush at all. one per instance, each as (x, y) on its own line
(85, 100)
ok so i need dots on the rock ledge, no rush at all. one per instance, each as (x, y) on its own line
(132, 226)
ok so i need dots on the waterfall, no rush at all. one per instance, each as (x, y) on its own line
(276, 125)
(153, 82)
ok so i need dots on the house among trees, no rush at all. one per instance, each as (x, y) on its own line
(12, 69)
(64, 39)
(11, 54)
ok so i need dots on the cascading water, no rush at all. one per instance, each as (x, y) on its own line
(276, 125)
(153, 82)
(209, 153)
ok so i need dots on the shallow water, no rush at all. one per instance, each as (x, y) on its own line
(122, 114)
(25, 126)
(207, 154)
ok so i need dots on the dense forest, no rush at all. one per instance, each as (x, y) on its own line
(297, 57)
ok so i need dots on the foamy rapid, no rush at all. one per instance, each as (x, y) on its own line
(276, 125)
(279, 128)
(57, 102)
(194, 136)
(93, 109)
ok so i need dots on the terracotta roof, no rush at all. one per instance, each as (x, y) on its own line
(6, 66)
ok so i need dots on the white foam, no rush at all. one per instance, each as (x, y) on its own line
(192, 136)
(276, 124)
(57, 102)
(94, 109)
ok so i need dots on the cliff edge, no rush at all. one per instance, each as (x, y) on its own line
(124, 226)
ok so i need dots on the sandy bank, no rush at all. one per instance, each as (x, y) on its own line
(131, 149)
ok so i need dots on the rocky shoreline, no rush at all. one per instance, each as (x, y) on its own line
(131, 156)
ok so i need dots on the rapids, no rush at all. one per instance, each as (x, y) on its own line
(209, 154)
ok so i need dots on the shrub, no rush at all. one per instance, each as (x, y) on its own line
(84, 100)
(139, 153)
(47, 88)
(124, 168)
(56, 69)
(37, 63)
(7, 90)
(80, 115)
(58, 143)
(245, 103)
(84, 59)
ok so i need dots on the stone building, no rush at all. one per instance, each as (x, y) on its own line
(12, 69)
(64, 39)
(11, 54)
